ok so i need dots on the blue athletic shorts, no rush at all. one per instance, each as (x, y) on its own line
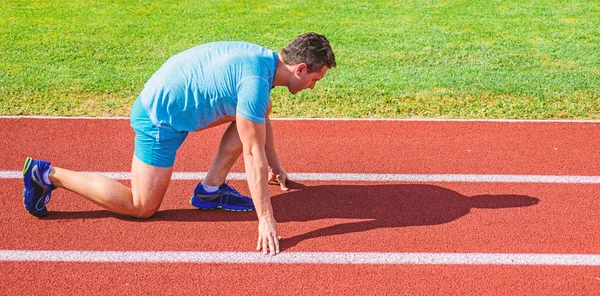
(153, 145)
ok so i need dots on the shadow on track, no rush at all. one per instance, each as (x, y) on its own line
(381, 206)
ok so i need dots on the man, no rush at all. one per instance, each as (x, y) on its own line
(209, 85)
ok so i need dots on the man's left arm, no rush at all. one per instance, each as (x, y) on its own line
(276, 171)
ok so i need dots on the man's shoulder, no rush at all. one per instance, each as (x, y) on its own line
(233, 47)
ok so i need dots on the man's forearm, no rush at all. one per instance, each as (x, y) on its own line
(272, 157)
(257, 174)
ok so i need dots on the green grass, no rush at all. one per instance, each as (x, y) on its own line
(396, 59)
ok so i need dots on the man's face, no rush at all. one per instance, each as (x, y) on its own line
(303, 80)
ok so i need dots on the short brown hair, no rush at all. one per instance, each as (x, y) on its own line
(310, 48)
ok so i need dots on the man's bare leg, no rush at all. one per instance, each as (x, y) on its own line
(229, 151)
(148, 187)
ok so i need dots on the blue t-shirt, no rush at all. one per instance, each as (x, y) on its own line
(202, 84)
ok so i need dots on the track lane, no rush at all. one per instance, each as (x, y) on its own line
(329, 217)
(435, 217)
(268, 279)
(403, 147)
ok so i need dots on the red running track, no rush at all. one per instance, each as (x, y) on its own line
(322, 216)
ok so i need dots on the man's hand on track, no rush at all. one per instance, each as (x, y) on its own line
(268, 241)
(279, 178)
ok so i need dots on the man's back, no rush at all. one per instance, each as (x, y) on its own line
(210, 81)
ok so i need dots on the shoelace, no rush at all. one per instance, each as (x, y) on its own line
(228, 192)
(231, 191)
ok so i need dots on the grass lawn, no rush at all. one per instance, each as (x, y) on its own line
(396, 59)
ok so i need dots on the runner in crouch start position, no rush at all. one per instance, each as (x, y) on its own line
(200, 88)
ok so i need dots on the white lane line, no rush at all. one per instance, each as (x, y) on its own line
(302, 258)
(458, 178)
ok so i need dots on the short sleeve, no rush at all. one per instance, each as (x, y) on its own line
(253, 99)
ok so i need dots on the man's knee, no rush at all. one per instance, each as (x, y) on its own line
(144, 212)
(146, 203)
(148, 187)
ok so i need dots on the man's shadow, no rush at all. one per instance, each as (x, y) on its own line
(382, 206)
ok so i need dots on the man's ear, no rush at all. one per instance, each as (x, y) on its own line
(301, 68)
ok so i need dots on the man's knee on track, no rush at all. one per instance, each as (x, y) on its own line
(142, 209)
(144, 212)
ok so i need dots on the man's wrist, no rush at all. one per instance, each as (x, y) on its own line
(266, 218)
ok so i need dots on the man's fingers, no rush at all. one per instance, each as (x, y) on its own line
(271, 245)
(271, 177)
(283, 186)
(281, 179)
(265, 246)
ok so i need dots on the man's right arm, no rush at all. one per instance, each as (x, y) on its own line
(253, 136)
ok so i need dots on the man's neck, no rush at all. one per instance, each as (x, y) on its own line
(282, 73)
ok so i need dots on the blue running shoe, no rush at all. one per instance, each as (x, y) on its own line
(36, 193)
(225, 198)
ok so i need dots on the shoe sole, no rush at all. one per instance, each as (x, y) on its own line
(28, 162)
(218, 207)
(26, 165)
